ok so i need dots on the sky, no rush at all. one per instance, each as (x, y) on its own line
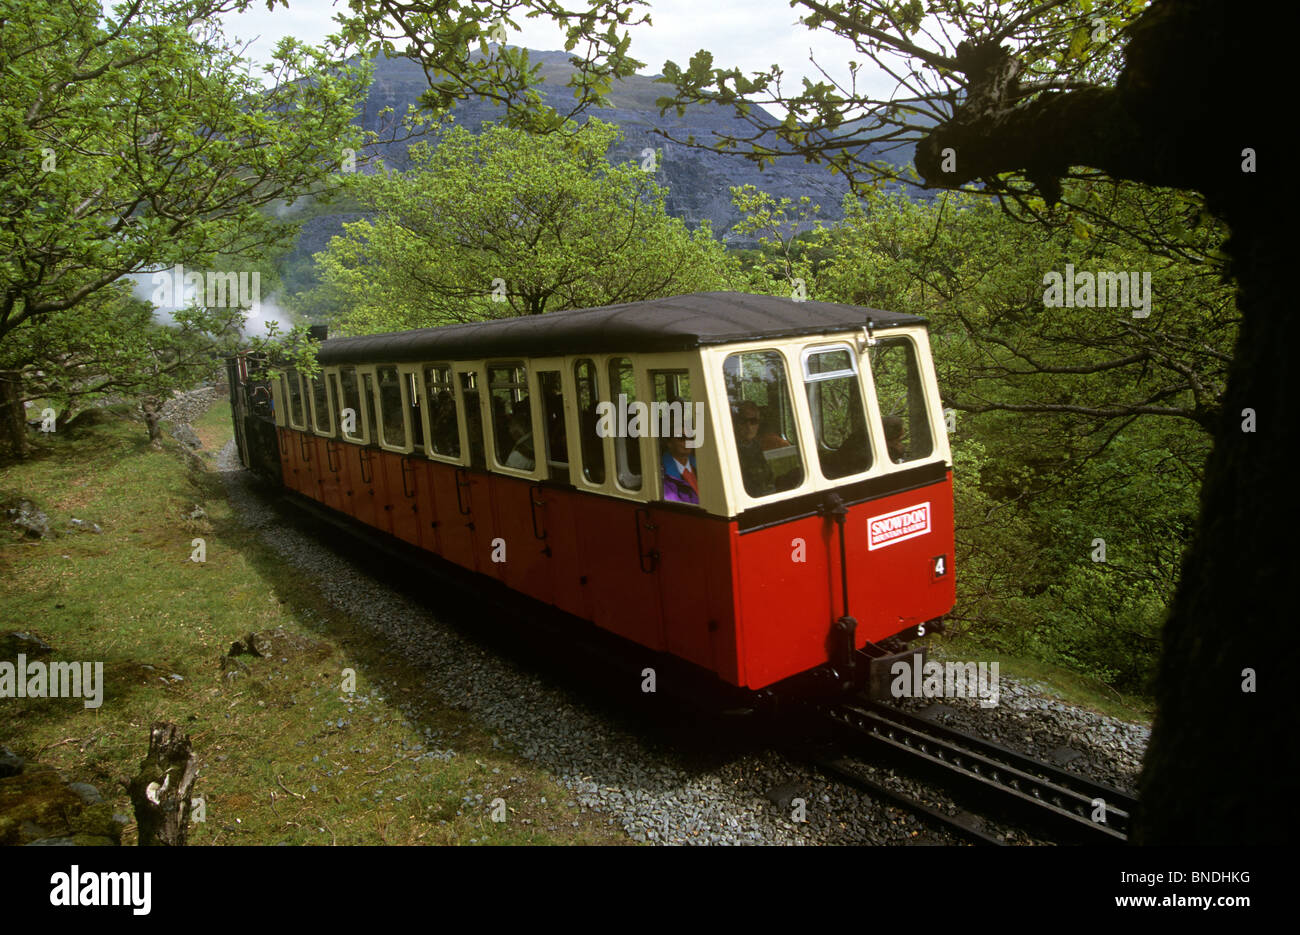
(749, 34)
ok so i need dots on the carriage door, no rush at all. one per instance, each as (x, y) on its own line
(553, 510)
(467, 524)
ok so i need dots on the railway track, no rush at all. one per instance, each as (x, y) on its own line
(989, 778)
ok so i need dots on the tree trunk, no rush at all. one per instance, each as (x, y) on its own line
(1221, 765)
(13, 417)
(160, 793)
(151, 406)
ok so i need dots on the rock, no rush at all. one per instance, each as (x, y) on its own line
(11, 764)
(781, 796)
(186, 435)
(82, 525)
(86, 792)
(233, 668)
(197, 513)
(1064, 755)
(32, 521)
(15, 642)
(279, 643)
(259, 644)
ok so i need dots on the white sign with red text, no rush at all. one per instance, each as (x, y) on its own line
(898, 525)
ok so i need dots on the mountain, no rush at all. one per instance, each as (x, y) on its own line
(698, 180)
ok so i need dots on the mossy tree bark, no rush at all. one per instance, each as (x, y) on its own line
(160, 793)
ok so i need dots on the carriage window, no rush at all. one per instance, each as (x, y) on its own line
(627, 451)
(473, 419)
(839, 421)
(353, 418)
(557, 440)
(512, 418)
(444, 425)
(593, 450)
(320, 406)
(296, 417)
(679, 432)
(391, 411)
(767, 441)
(906, 423)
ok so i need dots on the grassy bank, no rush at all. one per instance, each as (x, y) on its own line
(285, 754)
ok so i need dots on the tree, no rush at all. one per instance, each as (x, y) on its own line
(506, 223)
(1014, 98)
(442, 37)
(141, 140)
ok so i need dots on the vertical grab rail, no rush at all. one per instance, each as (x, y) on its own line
(642, 554)
(533, 504)
(410, 494)
(462, 479)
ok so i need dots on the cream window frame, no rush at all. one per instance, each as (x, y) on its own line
(377, 397)
(302, 426)
(362, 436)
(485, 396)
(329, 406)
(426, 413)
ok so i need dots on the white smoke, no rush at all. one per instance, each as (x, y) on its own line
(145, 286)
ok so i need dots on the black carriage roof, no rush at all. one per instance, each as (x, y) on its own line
(679, 323)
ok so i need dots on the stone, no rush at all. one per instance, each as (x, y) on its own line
(32, 521)
(1062, 756)
(186, 436)
(15, 642)
(781, 796)
(11, 764)
(86, 792)
(81, 525)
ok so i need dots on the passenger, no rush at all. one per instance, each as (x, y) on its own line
(521, 433)
(854, 453)
(680, 482)
(769, 437)
(446, 433)
(754, 469)
(894, 434)
(394, 425)
(500, 417)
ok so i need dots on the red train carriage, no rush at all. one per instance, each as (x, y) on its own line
(758, 486)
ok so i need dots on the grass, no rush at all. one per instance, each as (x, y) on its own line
(285, 754)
